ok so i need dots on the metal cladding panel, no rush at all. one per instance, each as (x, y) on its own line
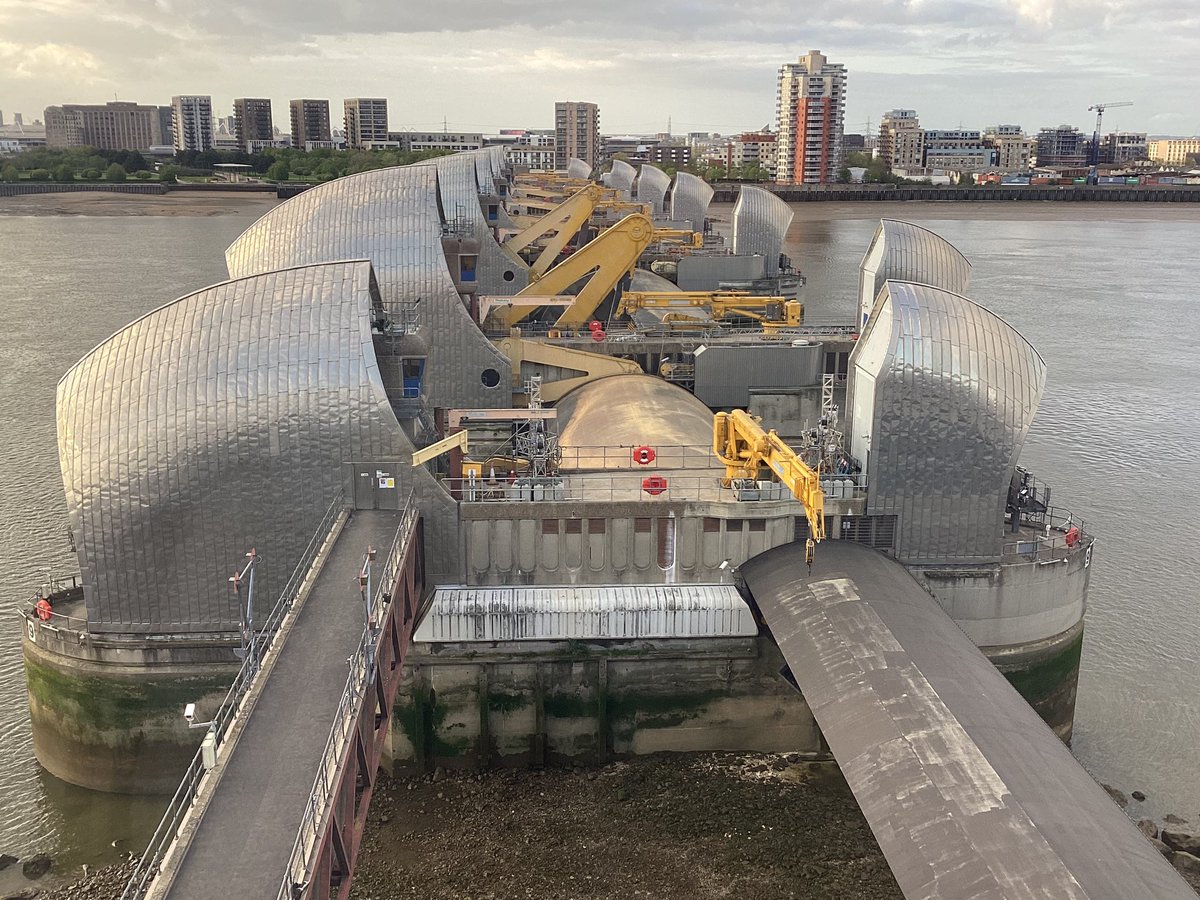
(484, 172)
(708, 273)
(760, 224)
(623, 175)
(499, 273)
(466, 614)
(216, 423)
(652, 186)
(577, 168)
(901, 251)
(955, 391)
(391, 217)
(629, 411)
(725, 373)
(689, 199)
(967, 791)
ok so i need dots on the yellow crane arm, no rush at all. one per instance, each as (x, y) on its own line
(561, 224)
(742, 446)
(603, 262)
(718, 304)
(445, 445)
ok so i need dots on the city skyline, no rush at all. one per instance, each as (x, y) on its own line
(1032, 62)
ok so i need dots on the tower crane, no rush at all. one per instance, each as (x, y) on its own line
(1098, 109)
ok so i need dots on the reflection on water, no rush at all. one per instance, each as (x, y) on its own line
(1110, 302)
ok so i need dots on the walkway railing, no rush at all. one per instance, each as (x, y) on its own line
(55, 587)
(361, 677)
(168, 829)
(1051, 543)
(703, 330)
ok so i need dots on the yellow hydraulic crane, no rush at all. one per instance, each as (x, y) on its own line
(740, 443)
(770, 312)
(561, 224)
(603, 263)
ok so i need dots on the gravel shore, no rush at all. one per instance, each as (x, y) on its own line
(675, 827)
(101, 203)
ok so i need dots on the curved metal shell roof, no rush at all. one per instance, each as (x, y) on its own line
(622, 178)
(760, 224)
(216, 423)
(393, 218)
(499, 273)
(902, 251)
(941, 396)
(577, 168)
(689, 200)
(652, 186)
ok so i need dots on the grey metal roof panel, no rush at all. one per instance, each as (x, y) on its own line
(215, 423)
(689, 199)
(622, 178)
(579, 612)
(577, 168)
(393, 218)
(941, 395)
(500, 273)
(652, 186)
(902, 251)
(968, 791)
(760, 224)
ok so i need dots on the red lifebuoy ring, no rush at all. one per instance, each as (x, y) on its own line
(643, 455)
(598, 335)
(595, 325)
(654, 485)
(1072, 536)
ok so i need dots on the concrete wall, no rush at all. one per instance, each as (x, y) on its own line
(617, 543)
(1012, 603)
(515, 704)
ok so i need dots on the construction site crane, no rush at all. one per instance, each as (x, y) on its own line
(600, 265)
(1098, 109)
(742, 446)
(770, 312)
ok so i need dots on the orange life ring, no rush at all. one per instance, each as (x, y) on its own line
(598, 335)
(654, 485)
(44, 610)
(1072, 536)
(643, 455)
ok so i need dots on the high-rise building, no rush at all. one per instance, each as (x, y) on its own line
(166, 125)
(1014, 150)
(576, 132)
(366, 122)
(191, 118)
(901, 139)
(811, 108)
(1063, 146)
(310, 123)
(252, 121)
(108, 126)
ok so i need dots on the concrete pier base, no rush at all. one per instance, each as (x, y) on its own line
(475, 705)
(108, 715)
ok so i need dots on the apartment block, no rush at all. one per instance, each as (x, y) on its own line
(366, 122)
(901, 139)
(191, 118)
(1014, 149)
(108, 126)
(811, 110)
(310, 124)
(1123, 146)
(252, 122)
(1173, 151)
(958, 151)
(576, 132)
(454, 142)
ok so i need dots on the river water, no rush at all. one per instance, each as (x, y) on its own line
(1108, 293)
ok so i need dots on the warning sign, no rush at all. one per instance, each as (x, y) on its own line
(386, 481)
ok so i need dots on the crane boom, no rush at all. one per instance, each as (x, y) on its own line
(740, 443)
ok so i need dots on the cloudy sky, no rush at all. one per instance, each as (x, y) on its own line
(482, 65)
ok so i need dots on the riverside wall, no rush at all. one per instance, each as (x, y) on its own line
(840, 193)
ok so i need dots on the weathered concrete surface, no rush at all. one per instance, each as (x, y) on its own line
(967, 791)
(511, 704)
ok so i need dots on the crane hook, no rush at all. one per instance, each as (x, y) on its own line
(810, 550)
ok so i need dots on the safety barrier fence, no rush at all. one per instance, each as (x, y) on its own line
(638, 486)
(55, 587)
(575, 459)
(168, 829)
(615, 333)
(318, 809)
(1059, 533)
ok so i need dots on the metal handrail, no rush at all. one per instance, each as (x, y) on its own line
(55, 584)
(1050, 544)
(702, 331)
(150, 863)
(362, 670)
